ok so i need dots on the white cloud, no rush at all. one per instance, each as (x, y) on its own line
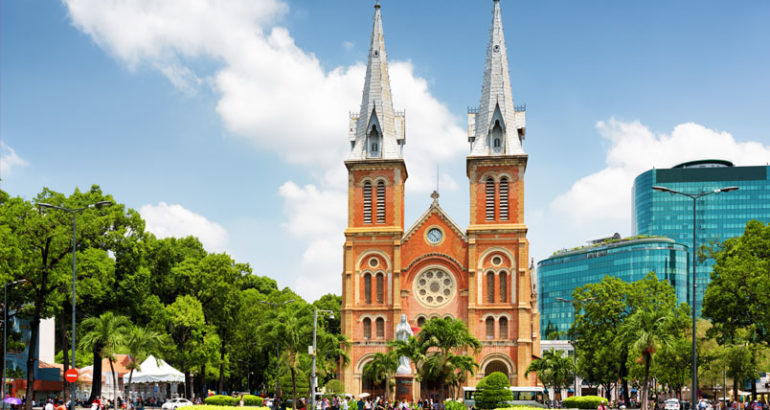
(604, 198)
(277, 96)
(174, 220)
(348, 45)
(9, 160)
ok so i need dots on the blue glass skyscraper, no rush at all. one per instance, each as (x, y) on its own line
(628, 259)
(719, 217)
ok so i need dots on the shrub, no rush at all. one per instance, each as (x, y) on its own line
(335, 386)
(583, 402)
(454, 405)
(220, 400)
(251, 400)
(492, 391)
(519, 408)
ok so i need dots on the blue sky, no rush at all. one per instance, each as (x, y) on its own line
(228, 120)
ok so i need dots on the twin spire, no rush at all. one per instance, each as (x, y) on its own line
(377, 131)
(496, 128)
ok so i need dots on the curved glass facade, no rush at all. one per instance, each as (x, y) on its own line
(719, 216)
(629, 260)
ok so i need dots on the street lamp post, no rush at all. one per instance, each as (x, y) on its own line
(313, 380)
(74, 213)
(5, 331)
(574, 304)
(694, 198)
(277, 355)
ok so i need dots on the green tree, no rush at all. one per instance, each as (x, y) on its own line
(104, 336)
(647, 332)
(194, 341)
(140, 343)
(439, 353)
(382, 367)
(736, 298)
(291, 329)
(36, 245)
(492, 391)
(555, 370)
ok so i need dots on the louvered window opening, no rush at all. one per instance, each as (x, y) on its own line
(368, 289)
(367, 328)
(503, 287)
(367, 203)
(490, 199)
(380, 325)
(490, 287)
(490, 328)
(504, 198)
(380, 284)
(381, 202)
(503, 328)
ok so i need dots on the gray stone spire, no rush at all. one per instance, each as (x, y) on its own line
(377, 131)
(496, 128)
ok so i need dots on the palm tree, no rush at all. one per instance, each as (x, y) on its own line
(382, 366)
(438, 352)
(647, 331)
(104, 335)
(140, 343)
(554, 370)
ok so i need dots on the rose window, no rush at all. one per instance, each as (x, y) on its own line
(434, 287)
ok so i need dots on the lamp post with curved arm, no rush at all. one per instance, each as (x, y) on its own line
(694, 198)
(74, 213)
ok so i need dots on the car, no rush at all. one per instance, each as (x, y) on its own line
(176, 403)
(672, 404)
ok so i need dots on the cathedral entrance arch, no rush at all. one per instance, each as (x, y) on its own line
(368, 384)
(497, 362)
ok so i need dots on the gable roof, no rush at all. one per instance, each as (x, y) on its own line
(434, 209)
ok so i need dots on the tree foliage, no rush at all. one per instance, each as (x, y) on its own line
(492, 391)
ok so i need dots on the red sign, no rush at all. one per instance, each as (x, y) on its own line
(71, 375)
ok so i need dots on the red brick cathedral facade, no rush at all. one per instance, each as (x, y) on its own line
(434, 268)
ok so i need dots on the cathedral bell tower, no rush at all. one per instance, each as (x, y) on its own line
(495, 169)
(376, 175)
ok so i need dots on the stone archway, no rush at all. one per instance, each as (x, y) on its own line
(496, 366)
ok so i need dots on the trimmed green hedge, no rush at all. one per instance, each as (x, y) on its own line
(221, 400)
(583, 402)
(519, 408)
(251, 400)
(454, 405)
(216, 407)
(492, 391)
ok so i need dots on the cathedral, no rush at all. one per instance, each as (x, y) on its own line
(434, 268)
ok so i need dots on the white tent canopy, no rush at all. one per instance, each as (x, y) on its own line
(155, 371)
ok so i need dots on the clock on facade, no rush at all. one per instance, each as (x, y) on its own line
(435, 235)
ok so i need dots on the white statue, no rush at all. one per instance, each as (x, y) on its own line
(403, 331)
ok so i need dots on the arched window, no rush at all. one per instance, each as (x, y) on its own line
(367, 202)
(497, 138)
(373, 143)
(504, 198)
(367, 328)
(368, 289)
(490, 190)
(503, 287)
(490, 287)
(490, 328)
(503, 328)
(381, 202)
(420, 321)
(380, 325)
(380, 285)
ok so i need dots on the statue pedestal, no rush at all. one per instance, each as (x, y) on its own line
(404, 387)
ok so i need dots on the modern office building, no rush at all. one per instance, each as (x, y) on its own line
(629, 259)
(719, 216)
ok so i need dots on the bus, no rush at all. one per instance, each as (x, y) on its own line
(529, 396)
